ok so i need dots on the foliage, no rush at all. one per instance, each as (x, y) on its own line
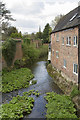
(32, 92)
(46, 33)
(34, 82)
(32, 54)
(59, 106)
(4, 20)
(19, 63)
(16, 35)
(26, 40)
(74, 92)
(56, 20)
(17, 107)
(8, 51)
(16, 79)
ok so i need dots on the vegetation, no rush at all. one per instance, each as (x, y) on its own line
(56, 20)
(65, 85)
(32, 54)
(74, 92)
(8, 51)
(46, 33)
(59, 106)
(16, 79)
(19, 105)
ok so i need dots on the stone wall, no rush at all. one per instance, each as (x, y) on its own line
(69, 53)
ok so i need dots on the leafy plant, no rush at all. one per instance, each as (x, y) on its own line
(59, 106)
(16, 108)
(16, 79)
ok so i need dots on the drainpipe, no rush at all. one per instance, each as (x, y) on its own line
(79, 47)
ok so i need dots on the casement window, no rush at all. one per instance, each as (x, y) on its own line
(68, 41)
(57, 54)
(75, 68)
(62, 40)
(64, 63)
(75, 40)
(53, 52)
(57, 37)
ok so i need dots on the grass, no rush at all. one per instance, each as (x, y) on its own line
(16, 79)
(59, 106)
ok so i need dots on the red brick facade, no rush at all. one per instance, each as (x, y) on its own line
(65, 52)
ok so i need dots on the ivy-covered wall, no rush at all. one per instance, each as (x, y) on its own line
(11, 51)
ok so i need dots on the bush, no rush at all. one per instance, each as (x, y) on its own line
(19, 63)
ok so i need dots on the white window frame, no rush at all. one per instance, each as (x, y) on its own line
(69, 39)
(52, 53)
(57, 37)
(57, 54)
(74, 70)
(62, 40)
(75, 41)
(64, 61)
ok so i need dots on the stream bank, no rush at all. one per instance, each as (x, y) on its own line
(67, 87)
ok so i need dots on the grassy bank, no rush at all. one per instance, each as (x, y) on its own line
(60, 106)
(16, 79)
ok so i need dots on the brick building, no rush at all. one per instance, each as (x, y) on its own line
(64, 45)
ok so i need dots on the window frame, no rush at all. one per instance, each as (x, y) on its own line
(57, 37)
(73, 69)
(75, 41)
(64, 61)
(62, 40)
(57, 55)
(68, 40)
(52, 52)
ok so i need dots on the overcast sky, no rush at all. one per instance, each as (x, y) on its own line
(30, 14)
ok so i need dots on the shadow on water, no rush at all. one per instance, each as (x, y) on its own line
(44, 84)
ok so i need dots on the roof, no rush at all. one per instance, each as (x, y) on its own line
(70, 20)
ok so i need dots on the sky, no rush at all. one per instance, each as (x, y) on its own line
(30, 14)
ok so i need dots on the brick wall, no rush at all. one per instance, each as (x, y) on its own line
(18, 54)
(69, 53)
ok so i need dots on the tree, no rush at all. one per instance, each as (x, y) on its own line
(46, 33)
(56, 20)
(5, 16)
(39, 35)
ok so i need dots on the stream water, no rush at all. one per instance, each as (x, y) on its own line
(44, 84)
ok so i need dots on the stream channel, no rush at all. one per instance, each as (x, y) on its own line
(44, 84)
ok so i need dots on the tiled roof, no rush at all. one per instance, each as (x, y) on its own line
(70, 20)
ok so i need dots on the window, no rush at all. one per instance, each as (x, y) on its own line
(57, 39)
(68, 40)
(73, 17)
(53, 53)
(75, 68)
(75, 40)
(62, 40)
(57, 54)
(64, 62)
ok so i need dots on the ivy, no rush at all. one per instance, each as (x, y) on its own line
(8, 51)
